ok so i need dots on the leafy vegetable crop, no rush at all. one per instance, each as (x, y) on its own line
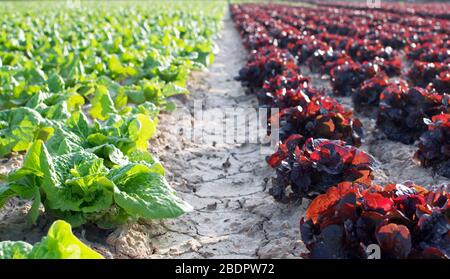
(59, 243)
(265, 63)
(321, 117)
(348, 76)
(80, 94)
(99, 185)
(406, 221)
(434, 145)
(402, 111)
(361, 52)
(308, 169)
(422, 72)
(368, 94)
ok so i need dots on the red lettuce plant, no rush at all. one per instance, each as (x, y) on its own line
(414, 51)
(348, 76)
(405, 221)
(434, 145)
(285, 81)
(323, 61)
(303, 170)
(422, 73)
(367, 50)
(286, 90)
(441, 83)
(392, 67)
(368, 94)
(320, 117)
(265, 63)
(307, 46)
(253, 34)
(435, 54)
(402, 111)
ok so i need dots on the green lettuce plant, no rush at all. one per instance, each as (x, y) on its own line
(99, 185)
(60, 243)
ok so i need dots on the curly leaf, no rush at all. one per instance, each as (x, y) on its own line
(14, 250)
(61, 243)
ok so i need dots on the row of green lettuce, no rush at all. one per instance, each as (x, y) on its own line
(80, 93)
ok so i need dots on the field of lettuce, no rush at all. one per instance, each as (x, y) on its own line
(94, 165)
(81, 90)
(388, 70)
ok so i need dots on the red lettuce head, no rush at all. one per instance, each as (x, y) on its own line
(405, 221)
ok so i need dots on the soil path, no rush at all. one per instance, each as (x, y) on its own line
(234, 216)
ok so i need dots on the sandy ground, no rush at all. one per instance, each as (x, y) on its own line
(227, 183)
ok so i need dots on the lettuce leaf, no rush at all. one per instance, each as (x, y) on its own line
(140, 129)
(143, 193)
(63, 140)
(84, 186)
(78, 123)
(61, 243)
(111, 155)
(5, 194)
(25, 182)
(80, 184)
(146, 158)
(128, 133)
(14, 250)
(102, 104)
(71, 182)
(55, 83)
(19, 127)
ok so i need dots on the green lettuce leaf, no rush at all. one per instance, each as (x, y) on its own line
(5, 194)
(102, 104)
(145, 157)
(72, 68)
(37, 168)
(14, 250)
(111, 155)
(71, 182)
(61, 243)
(19, 127)
(127, 133)
(63, 140)
(140, 129)
(143, 193)
(25, 182)
(80, 185)
(110, 219)
(55, 83)
(79, 124)
(56, 111)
